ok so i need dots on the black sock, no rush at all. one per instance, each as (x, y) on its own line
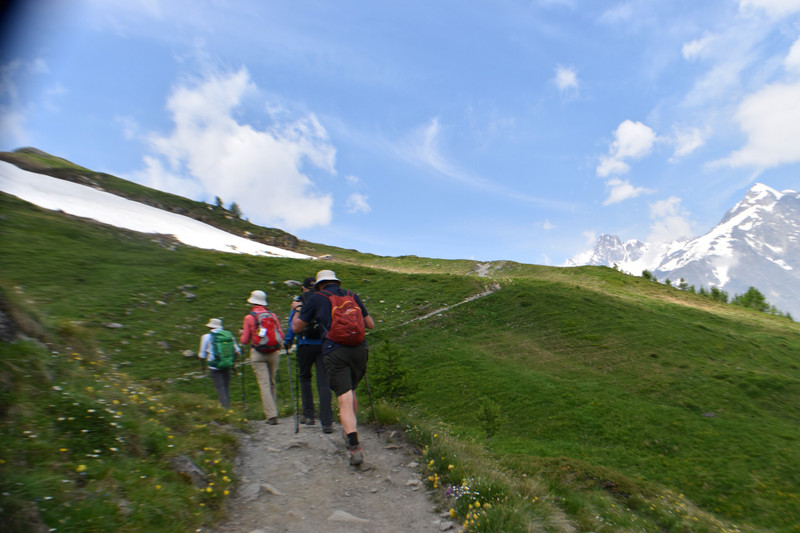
(353, 438)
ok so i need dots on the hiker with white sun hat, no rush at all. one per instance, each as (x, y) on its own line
(343, 318)
(261, 329)
(219, 349)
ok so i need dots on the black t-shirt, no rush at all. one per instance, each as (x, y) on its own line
(319, 307)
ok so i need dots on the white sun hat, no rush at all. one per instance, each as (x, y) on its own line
(326, 275)
(258, 298)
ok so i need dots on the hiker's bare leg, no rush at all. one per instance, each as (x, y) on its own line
(347, 411)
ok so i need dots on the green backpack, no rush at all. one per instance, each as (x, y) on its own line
(222, 347)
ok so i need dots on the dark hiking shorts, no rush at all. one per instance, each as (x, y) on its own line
(346, 366)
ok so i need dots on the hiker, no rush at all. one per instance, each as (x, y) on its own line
(219, 349)
(309, 355)
(264, 356)
(346, 358)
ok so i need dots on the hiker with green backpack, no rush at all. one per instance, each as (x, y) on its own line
(219, 349)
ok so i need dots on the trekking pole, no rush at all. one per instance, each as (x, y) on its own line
(291, 390)
(378, 427)
(297, 390)
(241, 371)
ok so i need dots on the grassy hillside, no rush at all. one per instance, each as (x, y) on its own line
(568, 400)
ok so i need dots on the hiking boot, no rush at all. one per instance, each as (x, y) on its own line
(356, 455)
(273, 421)
(307, 420)
(328, 428)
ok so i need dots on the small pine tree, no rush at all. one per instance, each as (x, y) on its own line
(218, 201)
(389, 372)
(753, 299)
(235, 210)
(491, 417)
(719, 295)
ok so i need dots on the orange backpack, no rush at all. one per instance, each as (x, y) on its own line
(347, 320)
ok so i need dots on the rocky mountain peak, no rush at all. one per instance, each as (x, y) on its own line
(756, 244)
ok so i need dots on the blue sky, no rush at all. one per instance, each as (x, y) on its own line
(450, 129)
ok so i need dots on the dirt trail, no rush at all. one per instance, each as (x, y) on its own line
(300, 482)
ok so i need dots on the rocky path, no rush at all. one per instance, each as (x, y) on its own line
(298, 482)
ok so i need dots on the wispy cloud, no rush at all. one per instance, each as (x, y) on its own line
(670, 221)
(632, 140)
(357, 203)
(775, 8)
(261, 170)
(770, 118)
(423, 148)
(566, 79)
(686, 141)
(14, 106)
(697, 48)
(620, 190)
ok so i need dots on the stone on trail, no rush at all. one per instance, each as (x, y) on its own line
(341, 516)
(249, 492)
(272, 490)
(186, 468)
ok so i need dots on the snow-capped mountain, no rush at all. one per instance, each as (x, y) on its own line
(756, 244)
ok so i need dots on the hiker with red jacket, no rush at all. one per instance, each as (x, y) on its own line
(263, 360)
(343, 317)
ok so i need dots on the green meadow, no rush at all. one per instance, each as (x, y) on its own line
(579, 399)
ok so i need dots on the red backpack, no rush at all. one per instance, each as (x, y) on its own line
(269, 335)
(347, 320)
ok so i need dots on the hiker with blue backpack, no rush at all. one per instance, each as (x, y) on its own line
(343, 318)
(262, 330)
(218, 349)
(309, 361)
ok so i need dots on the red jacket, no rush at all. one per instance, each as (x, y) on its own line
(249, 325)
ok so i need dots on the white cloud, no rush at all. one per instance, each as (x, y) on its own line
(423, 148)
(776, 8)
(13, 132)
(547, 225)
(14, 108)
(696, 49)
(426, 147)
(566, 78)
(620, 190)
(261, 170)
(590, 237)
(771, 120)
(687, 141)
(357, 203)
(670, 221)
(792, 61)
(632, 140)
(619, 14)
(610, 165)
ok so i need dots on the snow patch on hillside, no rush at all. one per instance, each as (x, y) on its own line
(80, 200)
